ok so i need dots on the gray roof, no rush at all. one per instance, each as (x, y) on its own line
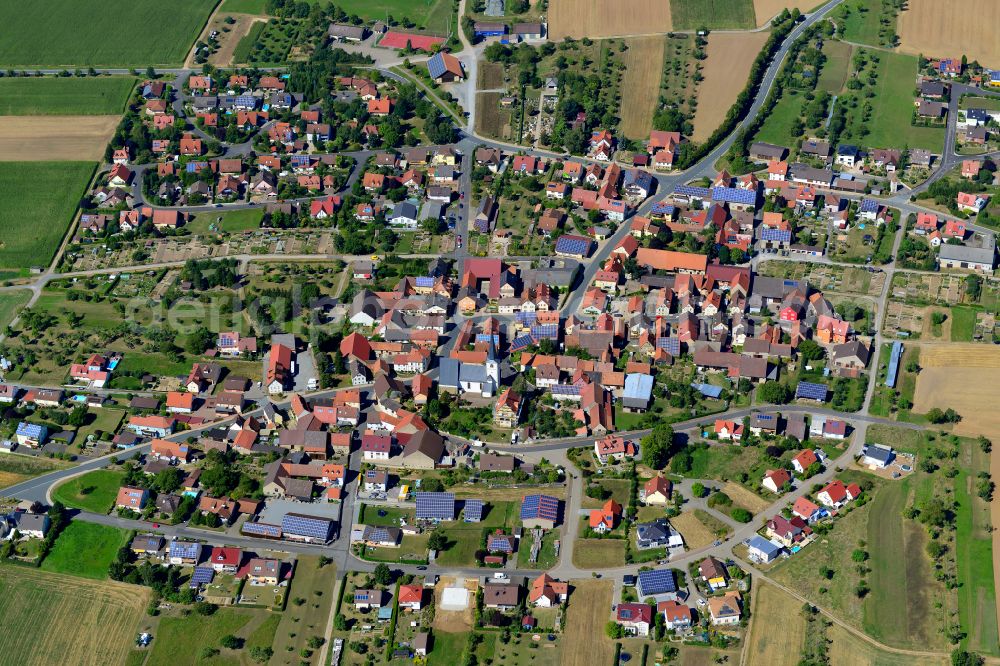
(349, 31)
(638, 388)
(449, 371)
(968, 253)
(472, 373)
(404, 209)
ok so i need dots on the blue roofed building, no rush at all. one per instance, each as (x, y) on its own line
(266, 530)
(663, 209)
(811, 391)
(638, 392)
(311, 529)
(868, 209)
(473, 511)
(569, 245)
(184, 552)
(691, 194)
(202, 576)
(661, 584)
(445, 68)
(737, 198)
(894, 358)
(637, 183)
(31, 434)
(539, 511)
(671, 345)
(707, 390)
(761, 550)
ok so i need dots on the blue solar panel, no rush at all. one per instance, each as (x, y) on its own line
(521, 342)
(691, 191)
(422, 281)
(894, 357)
(564, 389)
(248, 101)
(734, 195)
(526, 318)
(306, 526)
(545, 331)
(488, 337)
(662, 208)
(656, 581)
(573, 245)
(671, 345)
(539, 506)
(776, 235)
(262, 529)
(811, 391)
(184, 549)
(436, 66)
(436, 506)
(499, 542)
(473, 510)
(868, 206)
(202, 575)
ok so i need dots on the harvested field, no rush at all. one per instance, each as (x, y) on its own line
(696, 534)
(589, 610)
(604, 18)
(943, 29)
(743, 497)
(55, 619)
(727, 66)
(56, 138)
(774, 608)
(490, 75)
(768, 9)
(953, 376)
(641, 85)
(489, 120)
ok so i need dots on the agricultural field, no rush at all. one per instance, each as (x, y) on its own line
(184, 638)
(977, 551)
(713, 14)
(94, 491)
(55, 138)
(432, 15)
(230, 35)
(774, 608)
(244, 6)
(229, 222)
(726, 68)
(61, 96)
(952, 376)
(15, 468)
(74, 33)
(641, 85)
(942, 30)
(585, 641)
(838, 61)
(597, 19)
(491, 120)
(299, 623)
(51, 618)
(85, 550)
(30, 235)
(846, 648)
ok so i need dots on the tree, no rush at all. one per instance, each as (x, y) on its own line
(614, 630)
(78, 416)
(231, 642)
(382, 574)
(965, 658)
(262, 654)
(741, 515)
(774, 393)
(200, 340)
(437, 541)
(656, 446)
(809, 350)
(859, 555)
(698, 489)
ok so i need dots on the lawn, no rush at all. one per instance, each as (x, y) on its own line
(15, 468)
(230, 222)
(464, 540)
(384, 516)
(11, 303)
(48, 617)
(100, 420)
(834, 72)
(963, 323)
(434, 15)
(85, 549)
(82, 33)
(777, 128)
(61, 96)
(892, 108)
(94, 491)
(155, 364)
(300, 622)
(37, 204)
(713, 14)
(974, 102)
(598, 553)
(244, 6)
(546, 555)
(862, 22)
(181, 640)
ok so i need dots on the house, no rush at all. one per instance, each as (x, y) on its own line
(657, 534)
(165, 449)
(501, 596)
(971, 202)
(366, 599)
(225, 560)
(725, 610)
(411, 597)
(878, 456)
(976, 255)
(728, 430)
(761, 550)
(546, 592)
(835, 494)
(261, 571)
(714, 573)
(500, 543)
(657, 583)
(676, 616)
(775, 480)
(180, 403)
(804, 460)
(184, 552)
(152, 426)
(611, 448)
(31, 434)
(507, 409)
(422, 643)
(656, 491)
(635, 618)
(539, 511)
(807, 510)
(279, 368)
(766, 152)
(133, 498)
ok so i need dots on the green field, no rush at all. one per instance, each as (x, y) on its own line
(974, 102)
(433, 15)
(963, 323)
(94, 491)
(892, 108)
(48, 617)
(37, 204)
(370, 515)
(244, 6)
(15, 468)
(713, 14)
(231, 222)
(181, 640)
(862, 23)
(777, 128)
(85, 549)
(834, 73)
(85, 33)
(464, 539)
(11, 303)
(60, 96)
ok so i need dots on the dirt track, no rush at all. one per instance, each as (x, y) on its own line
(42, 138)
(727, 66)
(607, 18)
(951, 29)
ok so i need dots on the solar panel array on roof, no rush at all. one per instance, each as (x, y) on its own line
(545, 331)
(670, 345)
(765, 417)
(656, 581)
(313, 527)
(776, 235)
(692, 191)
(248, 101)
(811, 391)
(262, 529)
(894, 356)
(662, 208)
(868, 206)
(521, 342)
(379, 534)
(539, 506)
(436, 506)
(202, 575)
(487, 337)
(473, 510)
(734, 195)
(423, 281)
(526, 318)
(185, 549)
(573, 245)
(564, 389)
(436, 66)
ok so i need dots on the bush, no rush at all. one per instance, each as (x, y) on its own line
(741, 515)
